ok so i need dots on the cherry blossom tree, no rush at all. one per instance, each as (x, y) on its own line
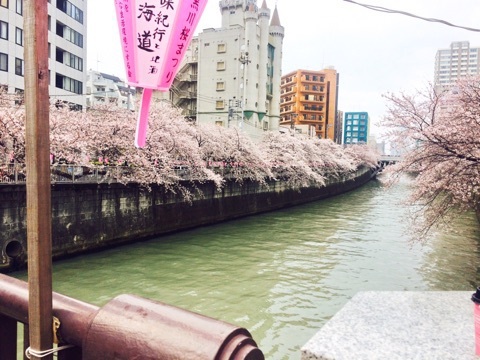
(232, 153)
(362, 155)
(178, 154)
(440, 135)
(12, 130)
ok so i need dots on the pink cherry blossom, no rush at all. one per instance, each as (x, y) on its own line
(439, 133)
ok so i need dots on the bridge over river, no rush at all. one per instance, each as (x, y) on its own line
(389, 159)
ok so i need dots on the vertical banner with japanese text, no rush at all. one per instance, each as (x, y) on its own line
(154, 36)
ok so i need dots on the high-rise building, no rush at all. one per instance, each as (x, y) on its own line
(310, 98)
(231, 75)
(338, 127)
(356, 128)
(66, 47)
(460, 60)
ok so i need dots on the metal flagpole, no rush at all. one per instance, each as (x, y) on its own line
(37, 141)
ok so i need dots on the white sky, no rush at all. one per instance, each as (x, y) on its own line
(374, 52)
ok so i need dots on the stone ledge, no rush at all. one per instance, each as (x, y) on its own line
(398, 325)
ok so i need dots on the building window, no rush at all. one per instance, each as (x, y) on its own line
(74, 61)
(71, 10)
(69, 59)
(221, 48)
(3, 62)
(18, 67)
(19, 98)
(220, 86)
(220, 104)
(19, 36)
(4, 3)
(3, 30)
(219, 123)
(19, 7)
(69, 84)
(221, 65)
(69, 34)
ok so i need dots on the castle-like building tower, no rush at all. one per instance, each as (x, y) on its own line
(235, 70)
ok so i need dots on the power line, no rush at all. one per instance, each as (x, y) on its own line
(391, 11)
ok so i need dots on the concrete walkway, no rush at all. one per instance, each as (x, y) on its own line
(398, 325)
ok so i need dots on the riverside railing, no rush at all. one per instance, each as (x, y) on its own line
(67, 173)
(127, 327)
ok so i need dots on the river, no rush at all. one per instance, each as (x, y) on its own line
(283, 274)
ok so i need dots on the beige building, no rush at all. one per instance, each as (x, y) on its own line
(231, 75)
(459, 60)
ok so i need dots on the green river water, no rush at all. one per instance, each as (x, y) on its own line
(283, 274)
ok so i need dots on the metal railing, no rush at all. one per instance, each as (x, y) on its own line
(155, 330)
(16, 174)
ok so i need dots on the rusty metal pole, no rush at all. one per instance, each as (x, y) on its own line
(39, 238)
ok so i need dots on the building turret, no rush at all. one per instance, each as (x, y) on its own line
(250, 59)
(277, 33)
(263, 20)
(232, 12)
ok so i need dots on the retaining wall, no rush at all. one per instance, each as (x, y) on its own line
(87, 217)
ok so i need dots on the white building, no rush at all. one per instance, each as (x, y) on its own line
(103, 88)
(460, 60)
(231, 75)
(66, 46)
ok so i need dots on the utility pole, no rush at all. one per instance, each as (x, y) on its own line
(230, 111)
(39, 214)
(244, 61)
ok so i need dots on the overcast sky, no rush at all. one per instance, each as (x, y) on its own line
(374, 52)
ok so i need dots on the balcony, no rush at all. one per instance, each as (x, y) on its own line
(313, 99)
(313, 79)
(289, 80)
(288, 100)
(313, 108)
(288, 90)
(189, 112)
(187, 77)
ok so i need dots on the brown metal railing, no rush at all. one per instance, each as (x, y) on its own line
(127, 327)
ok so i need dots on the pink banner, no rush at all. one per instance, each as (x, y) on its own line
(186, 22)
(155, 35)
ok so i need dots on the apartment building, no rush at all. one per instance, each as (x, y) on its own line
(67, 27)
(309, 100)
(103, 88)
(459, 60)
(356, 128)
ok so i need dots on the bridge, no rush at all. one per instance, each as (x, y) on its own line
(389, 160)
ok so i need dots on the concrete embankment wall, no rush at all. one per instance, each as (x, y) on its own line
(87, 216)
